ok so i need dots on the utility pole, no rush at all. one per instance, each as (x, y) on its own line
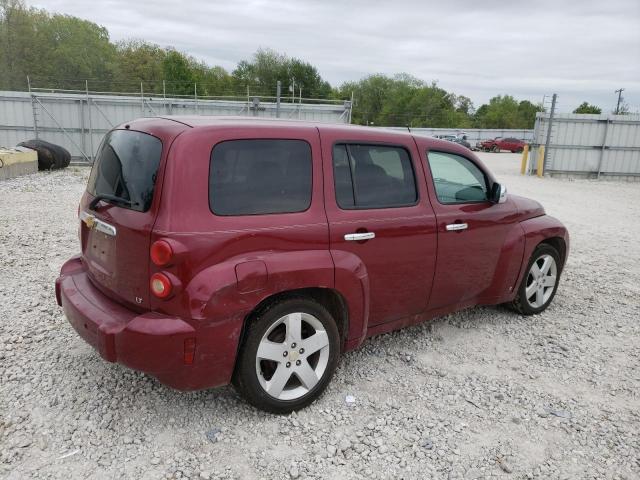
(548, 141)
(619, 92)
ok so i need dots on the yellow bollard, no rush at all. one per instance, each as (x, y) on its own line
(540, 161)
(525, 157)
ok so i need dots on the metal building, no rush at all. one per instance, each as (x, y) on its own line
(591, 146)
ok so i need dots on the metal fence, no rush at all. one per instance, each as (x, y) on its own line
(591, 146)
(78, 121)
(473, 135)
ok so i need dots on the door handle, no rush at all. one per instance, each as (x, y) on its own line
(455, 227)
(357, 237)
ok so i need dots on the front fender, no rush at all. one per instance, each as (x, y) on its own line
(537, 230)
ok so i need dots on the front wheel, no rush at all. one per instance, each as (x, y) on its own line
(289, 355)
(540, 282)
(495, 149)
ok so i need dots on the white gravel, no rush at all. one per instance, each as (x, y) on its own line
(483, 393)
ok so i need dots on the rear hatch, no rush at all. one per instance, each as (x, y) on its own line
(115, 231)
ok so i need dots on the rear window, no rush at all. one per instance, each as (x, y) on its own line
(126, 167)
(253, 177)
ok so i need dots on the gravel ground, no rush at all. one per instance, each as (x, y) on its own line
(484, 393)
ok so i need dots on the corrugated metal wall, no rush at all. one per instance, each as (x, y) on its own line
(590, 145)
(78, 123)
(473, 134)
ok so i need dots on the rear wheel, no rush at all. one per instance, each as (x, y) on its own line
(540, 281)
(289, 356)
(495, 149)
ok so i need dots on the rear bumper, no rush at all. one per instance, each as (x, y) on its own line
(151, 342)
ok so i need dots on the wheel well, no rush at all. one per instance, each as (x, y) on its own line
(327, 297)
(559, 245)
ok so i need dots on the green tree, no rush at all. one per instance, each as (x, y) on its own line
(267, 66)
(587, 108)
(506, 112)
(138, 62)
(54, 50)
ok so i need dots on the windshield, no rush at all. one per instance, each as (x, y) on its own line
(126, 167)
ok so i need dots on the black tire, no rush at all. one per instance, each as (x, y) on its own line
(521, 304)
(245, 378)
(495, 149)
(50, 156)
(518, 150)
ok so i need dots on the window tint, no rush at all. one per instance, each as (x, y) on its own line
(373, 176)
(126, 166)
(250, 177)
(456, 179)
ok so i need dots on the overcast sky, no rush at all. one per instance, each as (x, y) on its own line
(582, 50)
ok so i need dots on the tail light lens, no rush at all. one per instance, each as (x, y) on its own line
(160, 285)
(161, 253)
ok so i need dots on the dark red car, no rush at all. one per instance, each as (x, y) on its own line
(256, 252)
(514, 145)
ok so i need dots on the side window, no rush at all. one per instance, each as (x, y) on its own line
(457, 179)
(252, 177)
(373, 176)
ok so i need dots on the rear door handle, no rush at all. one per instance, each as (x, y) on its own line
(454, 227)
(356, 237)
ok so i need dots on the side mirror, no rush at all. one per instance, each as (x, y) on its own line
(498, 193)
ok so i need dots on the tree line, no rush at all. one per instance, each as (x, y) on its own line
(62, 52)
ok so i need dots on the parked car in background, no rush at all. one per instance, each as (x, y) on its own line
(497, 144)
(256, 252)
(460, 139)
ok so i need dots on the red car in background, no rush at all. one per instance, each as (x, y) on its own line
(514, 145)
(256, 252)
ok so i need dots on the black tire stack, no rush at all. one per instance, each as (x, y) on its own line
(50, 156)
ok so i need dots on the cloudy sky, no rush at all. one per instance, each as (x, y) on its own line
(582, 50)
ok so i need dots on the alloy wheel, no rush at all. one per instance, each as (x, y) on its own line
(292, 356)
(541, 281)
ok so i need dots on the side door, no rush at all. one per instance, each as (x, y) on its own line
(471, 229)
(381, 223)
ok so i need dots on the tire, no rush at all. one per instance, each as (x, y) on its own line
(531, 300)
(518, 150)
(495, 149)
(50, 156)
(287, 377)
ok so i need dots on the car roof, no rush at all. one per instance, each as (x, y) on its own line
(209, 121)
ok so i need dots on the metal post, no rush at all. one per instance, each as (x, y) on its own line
(195, 95)
(278, 89)
(164, 95)
(604, 146)
(142, 98)
(351, 107)
(548, 141)
(33, 109)
(300, 103)
(619, 92)
(86, 87)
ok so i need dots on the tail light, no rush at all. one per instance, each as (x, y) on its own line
(160, 285)
(161, 253)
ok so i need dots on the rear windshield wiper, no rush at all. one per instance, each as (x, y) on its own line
(111, 198)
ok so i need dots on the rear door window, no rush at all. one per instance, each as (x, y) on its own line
(457, 179)
(254, 177)
(373, 176)
(126, 167)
